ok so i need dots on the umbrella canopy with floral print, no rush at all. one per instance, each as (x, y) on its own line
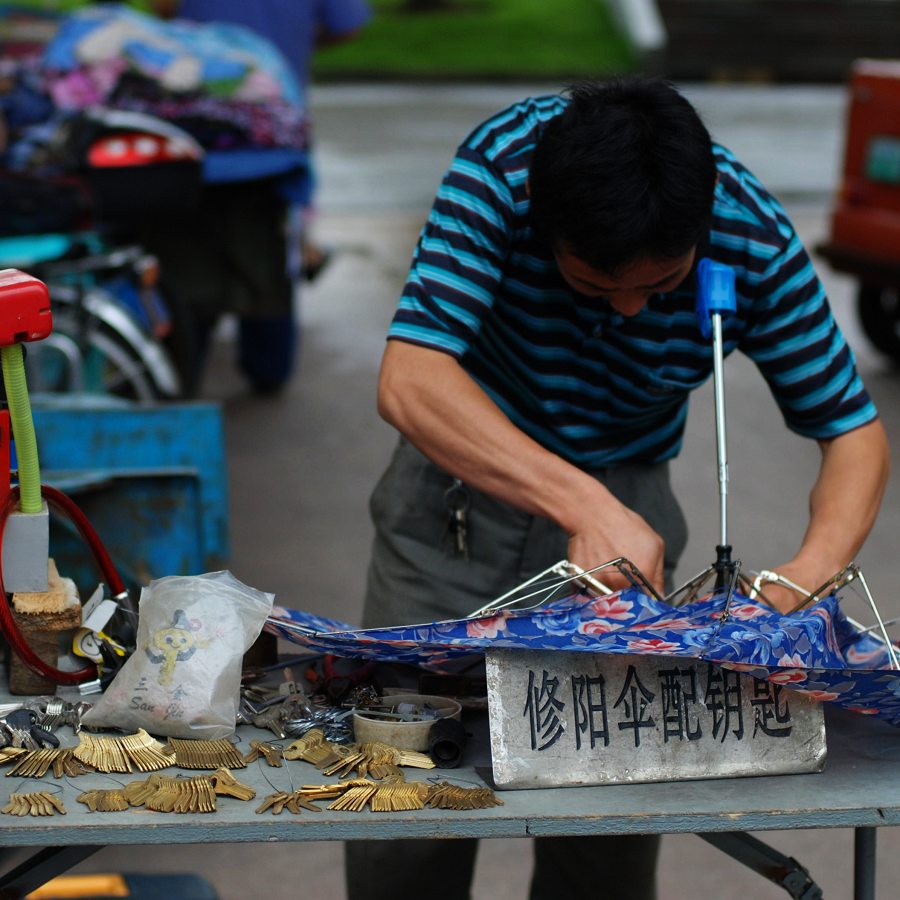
(816, 650)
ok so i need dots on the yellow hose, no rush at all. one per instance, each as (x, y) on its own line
(23, 428)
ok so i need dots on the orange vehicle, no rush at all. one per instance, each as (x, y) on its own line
(865, 222)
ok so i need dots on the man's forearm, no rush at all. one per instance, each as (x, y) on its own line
(843, 504)
(430, 399)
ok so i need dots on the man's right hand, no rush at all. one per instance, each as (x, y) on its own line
(615, 532)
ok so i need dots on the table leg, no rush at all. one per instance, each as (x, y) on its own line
(864, 863)
(782, 870)
(39, 868)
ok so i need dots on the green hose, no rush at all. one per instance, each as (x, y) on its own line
(23, 428)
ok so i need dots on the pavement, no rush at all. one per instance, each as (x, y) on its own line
(302, 464)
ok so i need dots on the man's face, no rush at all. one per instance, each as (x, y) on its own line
(629, 291)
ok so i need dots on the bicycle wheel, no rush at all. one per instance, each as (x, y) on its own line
(91, 358)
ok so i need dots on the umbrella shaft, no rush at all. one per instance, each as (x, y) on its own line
(721, 451)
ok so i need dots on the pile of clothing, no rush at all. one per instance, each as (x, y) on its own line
(223, 84)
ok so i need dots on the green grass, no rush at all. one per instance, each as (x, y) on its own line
(483, 39)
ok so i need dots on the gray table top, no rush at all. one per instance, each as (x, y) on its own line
(859, 787)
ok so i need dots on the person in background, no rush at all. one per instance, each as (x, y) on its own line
(298, 30)
(239, 234)
(538, 369)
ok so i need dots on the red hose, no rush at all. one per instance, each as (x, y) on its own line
(8, 626)
(59, 501)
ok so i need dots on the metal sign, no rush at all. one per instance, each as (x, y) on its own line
(562, 719)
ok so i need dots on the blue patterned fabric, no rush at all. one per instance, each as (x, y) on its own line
(817, 651)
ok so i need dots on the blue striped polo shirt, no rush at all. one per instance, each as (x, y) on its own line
(585, 382)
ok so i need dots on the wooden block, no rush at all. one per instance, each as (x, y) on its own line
(42, 617)
(60, 595)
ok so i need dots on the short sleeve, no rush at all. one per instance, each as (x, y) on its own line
(457, 264)
(794, 340)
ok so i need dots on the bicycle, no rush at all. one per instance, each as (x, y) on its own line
(110, 321)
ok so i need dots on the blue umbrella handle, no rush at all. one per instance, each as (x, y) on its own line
(715, 292)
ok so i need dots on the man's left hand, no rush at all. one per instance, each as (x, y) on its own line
(786, 599)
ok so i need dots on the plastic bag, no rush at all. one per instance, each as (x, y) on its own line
(183, 680)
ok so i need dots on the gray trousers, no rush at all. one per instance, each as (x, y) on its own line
(416, 575)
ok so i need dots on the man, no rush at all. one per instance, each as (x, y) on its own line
(539, 367)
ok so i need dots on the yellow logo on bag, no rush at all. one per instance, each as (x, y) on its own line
(176, 644)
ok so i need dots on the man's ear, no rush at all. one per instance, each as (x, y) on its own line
(528, 187)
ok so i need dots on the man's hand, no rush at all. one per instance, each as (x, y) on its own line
(784, 598)
(615, 532)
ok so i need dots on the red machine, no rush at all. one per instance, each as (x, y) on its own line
(865, 224)
(26, 316)
(26, 308)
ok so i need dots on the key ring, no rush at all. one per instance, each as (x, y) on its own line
(457, 488)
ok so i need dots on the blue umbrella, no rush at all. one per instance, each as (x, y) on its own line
(817, 650)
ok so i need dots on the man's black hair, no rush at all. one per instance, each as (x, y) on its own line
(624, 173)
